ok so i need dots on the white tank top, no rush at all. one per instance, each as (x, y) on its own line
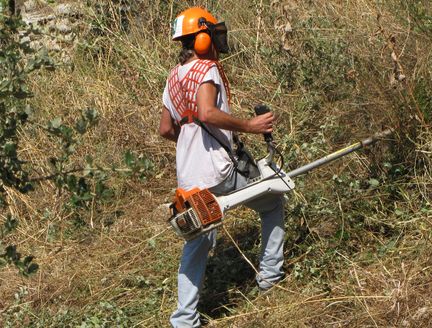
(201, 161)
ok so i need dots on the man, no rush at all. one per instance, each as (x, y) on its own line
(196, 116)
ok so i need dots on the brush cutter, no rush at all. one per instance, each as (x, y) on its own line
(197, 211)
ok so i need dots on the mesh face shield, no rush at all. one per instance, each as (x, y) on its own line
(219, 35)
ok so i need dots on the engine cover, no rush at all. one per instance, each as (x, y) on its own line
(199, 213)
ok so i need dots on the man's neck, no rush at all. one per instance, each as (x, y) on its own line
(191, 59)
(212, 55)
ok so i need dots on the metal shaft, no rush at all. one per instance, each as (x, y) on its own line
(340, 153)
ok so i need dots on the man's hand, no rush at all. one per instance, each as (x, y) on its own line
(261, 123)
(209, 113)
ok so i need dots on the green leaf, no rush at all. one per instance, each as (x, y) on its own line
(28, 259)
(81, 126)
(82, 185)
(23, 92)
(32, 268)
(152, 243)
(10, 224)
(75, 200)
(88, 170)
(398, 212)
(30, 65)
(4, 85)
(89, 160)
(71, 181)
(71, 149)
(129, 159)
(26, 188)
(86, 196)
(66, 133)
(91, 115)
(10, 149)
(107, 194)
(100, 187)
(3, 262)
(56, 123)
(23, 116)
(146, 163)
(342, 235)
(26, 267)
(12, 254)
(374, 183)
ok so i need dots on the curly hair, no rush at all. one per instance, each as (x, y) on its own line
(187, 50)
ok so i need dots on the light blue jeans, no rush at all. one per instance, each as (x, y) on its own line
(195, 252)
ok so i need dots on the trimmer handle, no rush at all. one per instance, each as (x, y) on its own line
(259, 110)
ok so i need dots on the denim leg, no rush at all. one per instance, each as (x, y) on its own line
(195, 252)
(272, 240)
(190, 280)
(271, 210)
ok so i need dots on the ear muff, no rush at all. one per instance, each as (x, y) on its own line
(202, 43)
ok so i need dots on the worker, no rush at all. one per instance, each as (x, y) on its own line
(196, 115)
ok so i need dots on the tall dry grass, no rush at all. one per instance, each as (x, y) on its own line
(357, 253)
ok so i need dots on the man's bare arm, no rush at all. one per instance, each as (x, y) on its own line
(209, 113)
(167, 128)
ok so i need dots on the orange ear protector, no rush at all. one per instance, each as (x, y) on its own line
(202, 39)
(202, 43)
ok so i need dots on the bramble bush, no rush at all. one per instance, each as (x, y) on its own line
(17, 61)
(83, 184)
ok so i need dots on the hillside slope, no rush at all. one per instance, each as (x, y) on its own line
(358, 231)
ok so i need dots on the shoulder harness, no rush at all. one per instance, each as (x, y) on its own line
(183, 92)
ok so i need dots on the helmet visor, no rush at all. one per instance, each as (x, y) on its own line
(219, 35)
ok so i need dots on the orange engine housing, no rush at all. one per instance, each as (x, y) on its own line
(202, 201)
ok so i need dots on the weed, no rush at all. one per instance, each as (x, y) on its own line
(358, 231)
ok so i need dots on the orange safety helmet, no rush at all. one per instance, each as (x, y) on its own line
(199, 22)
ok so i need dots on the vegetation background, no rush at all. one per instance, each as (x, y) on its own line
(358, 231)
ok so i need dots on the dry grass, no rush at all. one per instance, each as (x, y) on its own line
(120, 252)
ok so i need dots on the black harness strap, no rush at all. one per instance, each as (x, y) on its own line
(227, 148)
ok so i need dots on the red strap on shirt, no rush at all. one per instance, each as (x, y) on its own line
(183, 92)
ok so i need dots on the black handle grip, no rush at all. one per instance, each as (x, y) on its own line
(259, 110)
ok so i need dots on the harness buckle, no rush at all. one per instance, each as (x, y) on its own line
(188, 117)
